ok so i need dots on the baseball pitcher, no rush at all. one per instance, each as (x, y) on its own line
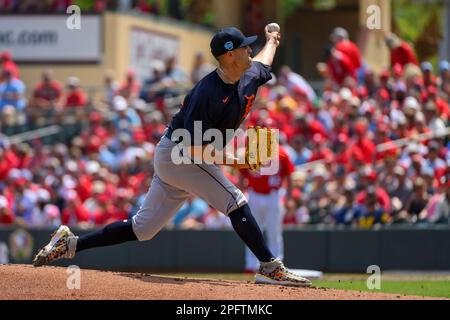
(221, 101)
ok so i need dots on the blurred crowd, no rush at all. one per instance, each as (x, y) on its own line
(370, 149)
(195, 11)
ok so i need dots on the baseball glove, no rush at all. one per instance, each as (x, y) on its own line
(258, 149)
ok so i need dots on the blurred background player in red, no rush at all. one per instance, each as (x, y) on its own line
(401, 51)
(265, 200)
(341, 42)
(6, 62)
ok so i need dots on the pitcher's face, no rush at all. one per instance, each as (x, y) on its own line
(243, 57)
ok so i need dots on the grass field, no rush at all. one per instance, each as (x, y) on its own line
(427, 285)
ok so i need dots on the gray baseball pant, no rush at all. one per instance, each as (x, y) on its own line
(171, 186)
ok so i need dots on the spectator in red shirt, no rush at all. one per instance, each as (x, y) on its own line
(130, 88)
(47, 93)
(319, 150)
(123, 205)
(6, 214)
(428, 78)
(401, 52)
(23, 154)
(6, 63)
(340, 66)
(341, 42)
(368, 179)
(8, 160)
(143, 6)
(75, 96)
(362, 144)
(342, 154)
(441, 104)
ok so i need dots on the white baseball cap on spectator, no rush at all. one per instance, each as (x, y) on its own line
(69, 182)
(61, 149)
(299, 175)
(426, 66)
(71, 166)
(92, 167)
(345, 94)
(413, 148)
(71, 195)
(320, 172)
(412, 103)
(350, 185)
(158, 65)
(3, 202)
(399, 170)
(444, 65)
(73, 82)
(43, 195)
(427, 171)
(50, 180)
(119, 103)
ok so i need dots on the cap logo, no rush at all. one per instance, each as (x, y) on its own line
(229, 45)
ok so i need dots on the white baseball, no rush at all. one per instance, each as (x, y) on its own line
(273, 27)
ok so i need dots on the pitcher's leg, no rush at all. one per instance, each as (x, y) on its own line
(257, 209)
(160, 205)
(274, 231)
(114, 233)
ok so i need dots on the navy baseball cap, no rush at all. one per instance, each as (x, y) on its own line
(229, 39)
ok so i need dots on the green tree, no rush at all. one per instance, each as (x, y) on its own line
(419, 23)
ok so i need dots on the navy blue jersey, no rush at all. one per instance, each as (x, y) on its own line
(219, 105)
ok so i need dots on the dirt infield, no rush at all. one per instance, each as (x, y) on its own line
(49, 283)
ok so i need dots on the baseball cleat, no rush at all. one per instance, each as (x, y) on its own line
(63, 244)
(275, 272)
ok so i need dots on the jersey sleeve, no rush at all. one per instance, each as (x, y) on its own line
(257, 75)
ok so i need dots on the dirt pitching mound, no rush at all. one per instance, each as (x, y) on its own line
(49, 283)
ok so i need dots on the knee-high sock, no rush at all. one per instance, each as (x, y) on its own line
(246, 227)
(114, 233)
